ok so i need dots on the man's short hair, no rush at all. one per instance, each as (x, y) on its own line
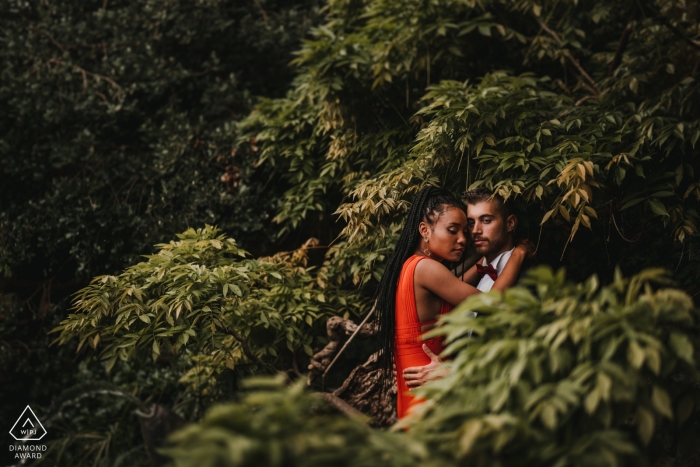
(481, 194)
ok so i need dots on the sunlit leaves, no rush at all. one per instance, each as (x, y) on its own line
(568, 134)
(569, 367)
(192, 293)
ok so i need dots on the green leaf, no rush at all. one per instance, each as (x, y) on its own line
(682, 346)
(470, 432)
(661, 402)
(657, 207)
(685, 408)
(635, 355)
(549, 416)
(308, 350)
(645, 424)
(634, 85)
(592, 400)
(631, 203)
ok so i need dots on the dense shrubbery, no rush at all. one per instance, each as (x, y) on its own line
(117, 130)
(277, 426)
(562, 374)
(581, 111)
(205, 298)
(566, 374)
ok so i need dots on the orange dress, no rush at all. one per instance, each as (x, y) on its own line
(408, 344)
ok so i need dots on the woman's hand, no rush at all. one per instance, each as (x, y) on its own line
(417, 376)
(527, 248)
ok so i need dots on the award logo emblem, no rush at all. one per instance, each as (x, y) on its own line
(28, 427)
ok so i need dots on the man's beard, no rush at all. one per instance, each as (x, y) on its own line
(489, 247)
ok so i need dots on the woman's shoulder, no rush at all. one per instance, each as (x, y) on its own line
(430, 267)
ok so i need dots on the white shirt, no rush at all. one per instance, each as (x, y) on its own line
(498, 263)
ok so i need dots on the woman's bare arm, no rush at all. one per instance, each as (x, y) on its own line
(511, 272)
(436, 278)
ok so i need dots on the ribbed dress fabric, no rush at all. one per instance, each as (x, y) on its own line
(408, 345)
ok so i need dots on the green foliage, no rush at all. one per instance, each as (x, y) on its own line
(274, 426)
(203, 295)
(565, 374)
(118, 123)
(117, 130)
(581, 110)
(94, 428)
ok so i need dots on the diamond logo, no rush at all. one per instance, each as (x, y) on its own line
(28, 427)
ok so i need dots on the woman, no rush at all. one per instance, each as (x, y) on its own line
(417, 287)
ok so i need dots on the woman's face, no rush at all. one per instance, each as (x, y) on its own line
(447, 238)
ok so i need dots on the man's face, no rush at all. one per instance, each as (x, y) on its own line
(492, 234)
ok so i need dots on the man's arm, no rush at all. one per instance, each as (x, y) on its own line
(417, 376)
(466, 270)
(470, 276)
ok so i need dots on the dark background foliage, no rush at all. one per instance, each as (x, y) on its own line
(117, 130)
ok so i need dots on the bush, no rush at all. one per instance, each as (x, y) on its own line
(564, 374)
(204, 297)
(276, 426)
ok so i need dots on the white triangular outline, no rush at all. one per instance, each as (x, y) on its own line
(37, 420)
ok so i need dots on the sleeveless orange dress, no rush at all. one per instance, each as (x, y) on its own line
(408, 345)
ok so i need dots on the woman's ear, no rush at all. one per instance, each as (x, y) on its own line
(424, 229)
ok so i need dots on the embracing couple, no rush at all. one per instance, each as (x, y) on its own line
(417, 286)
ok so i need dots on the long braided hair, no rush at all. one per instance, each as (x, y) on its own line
(428, 205)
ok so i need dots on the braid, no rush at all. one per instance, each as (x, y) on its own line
(427, 206)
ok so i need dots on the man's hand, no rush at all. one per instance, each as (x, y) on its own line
(417, 376)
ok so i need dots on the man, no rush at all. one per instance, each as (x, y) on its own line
(492, 225)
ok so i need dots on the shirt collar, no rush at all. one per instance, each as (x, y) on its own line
(499, 262)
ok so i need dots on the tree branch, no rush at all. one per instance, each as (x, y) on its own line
(263, 12)
(364, 321)
(621, 46)
(244, 344)
(578, 66)
(583, 99)
(341, 405)
(657, 15)
(246, 349)
(549, 31)
(565, 52)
